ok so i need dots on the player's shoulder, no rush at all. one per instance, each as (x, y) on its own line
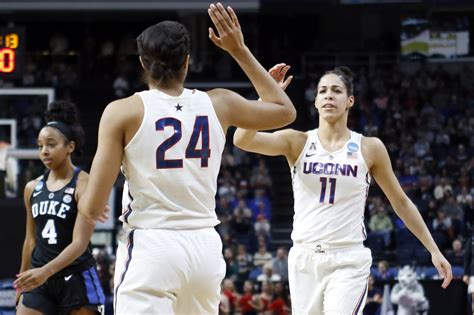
(31, 185)
(372, 143)
(83, 176)
(119, 104)
(373, 150)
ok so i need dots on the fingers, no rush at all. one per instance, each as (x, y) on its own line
(214, 38)
(447, 275)
(287, 82)
(233, 16)
(220, 18)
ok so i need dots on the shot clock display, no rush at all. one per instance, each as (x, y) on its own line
(12, 50)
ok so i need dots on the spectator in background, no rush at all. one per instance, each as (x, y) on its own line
(374, 298)
(228, 289)
(262, 256)
(280, 304)
(268, 274)
(383, 271)
(248, 302)
(456, 255)
(280, 263)
(262, 226)
(244, 262)
(442, 228)
(381, 224)
(232, 268)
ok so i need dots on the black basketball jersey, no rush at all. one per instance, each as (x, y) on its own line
(54, 214)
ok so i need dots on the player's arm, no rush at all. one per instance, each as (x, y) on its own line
(83, 229)
(287, 142)
(277, 143)
(276, 111)
(381, 168)
(30, 241)
(107, 160)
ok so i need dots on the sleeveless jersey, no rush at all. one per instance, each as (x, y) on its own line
(172, 162)
(54, 214)
(330, 190)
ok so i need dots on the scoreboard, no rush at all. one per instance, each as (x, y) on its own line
(12, 51)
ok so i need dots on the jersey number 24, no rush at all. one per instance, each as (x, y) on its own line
(200, 130)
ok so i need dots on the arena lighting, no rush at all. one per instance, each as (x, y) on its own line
(117, 5)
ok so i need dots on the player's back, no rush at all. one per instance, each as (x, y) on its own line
(172, 162)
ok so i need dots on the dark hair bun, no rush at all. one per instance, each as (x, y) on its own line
(63, 111)
(346, 71)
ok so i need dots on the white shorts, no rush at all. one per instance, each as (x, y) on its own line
(331, 282)
(169, 272)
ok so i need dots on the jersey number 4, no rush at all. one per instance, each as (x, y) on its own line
(49, 232)
(200, 130)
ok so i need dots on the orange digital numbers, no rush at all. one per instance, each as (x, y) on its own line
(7, 60)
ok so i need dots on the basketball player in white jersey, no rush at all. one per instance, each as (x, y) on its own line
(331, 169)
(169, 141)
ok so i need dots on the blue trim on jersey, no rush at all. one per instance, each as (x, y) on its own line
(127, 264)
(95, 295)
(129, 207)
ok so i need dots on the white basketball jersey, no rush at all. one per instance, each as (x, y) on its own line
(172, 162)
(330, 190)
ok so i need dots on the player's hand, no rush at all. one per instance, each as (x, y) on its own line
(443, 267)
(465, 279)
(105, 215)
(278, 72)
(229, 34)
(30, 279)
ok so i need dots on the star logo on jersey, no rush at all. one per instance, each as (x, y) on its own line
(178, 107)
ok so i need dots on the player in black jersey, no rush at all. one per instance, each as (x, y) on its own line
(58, 272)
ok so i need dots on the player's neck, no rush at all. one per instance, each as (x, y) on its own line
(65, 171)
(173, 88)
(333, 132)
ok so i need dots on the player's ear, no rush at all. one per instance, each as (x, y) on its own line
(141, 62)
(71, 146)
(350, 102)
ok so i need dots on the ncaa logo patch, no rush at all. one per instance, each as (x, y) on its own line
(39, 186)
(67, 198)
(352, 147)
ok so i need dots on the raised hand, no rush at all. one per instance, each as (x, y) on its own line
(230, 37)
(278, 72)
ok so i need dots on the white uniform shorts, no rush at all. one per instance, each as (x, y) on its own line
(331, 282)
(175, 272)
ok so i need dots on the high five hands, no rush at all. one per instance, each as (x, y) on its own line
(229, 34)
(278, 72)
